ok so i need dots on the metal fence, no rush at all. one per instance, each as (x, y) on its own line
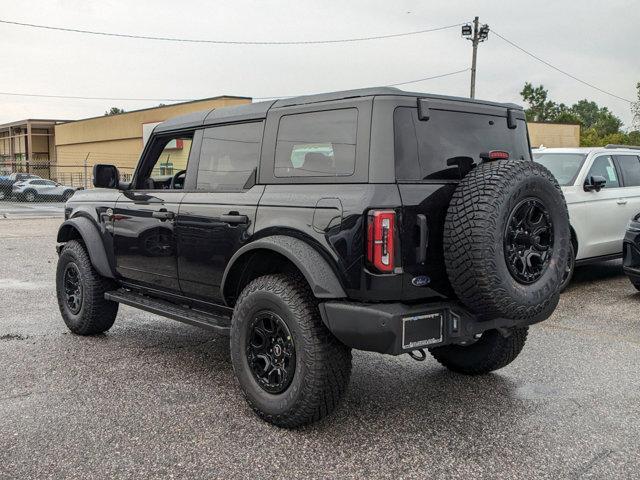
(43, 180)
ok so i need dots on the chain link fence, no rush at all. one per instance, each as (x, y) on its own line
(43, 180)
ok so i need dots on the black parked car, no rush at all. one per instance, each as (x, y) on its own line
(372, 219)
(631, 251)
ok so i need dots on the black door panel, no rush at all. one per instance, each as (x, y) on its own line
(144, 237)
(211, 227)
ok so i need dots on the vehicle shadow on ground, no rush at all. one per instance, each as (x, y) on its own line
(597, 272)
(383, 389)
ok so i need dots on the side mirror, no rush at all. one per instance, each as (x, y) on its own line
(594, 182)
(105, 176)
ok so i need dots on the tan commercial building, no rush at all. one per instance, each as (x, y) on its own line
(118, 139)
(27, 146)
(554, 134)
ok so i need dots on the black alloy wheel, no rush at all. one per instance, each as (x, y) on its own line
(271, 353)
(72, 288)
(528, 240)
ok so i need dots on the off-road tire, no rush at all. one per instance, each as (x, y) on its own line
(323, 364)
(636, 284)
(490, 352)
(474, 233)
(96, 315)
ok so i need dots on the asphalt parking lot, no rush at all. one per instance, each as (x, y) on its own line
(155, 398)
(15, 209)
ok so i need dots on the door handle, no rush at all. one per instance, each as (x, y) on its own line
(621, 201)
(234, 218)
(163, 215)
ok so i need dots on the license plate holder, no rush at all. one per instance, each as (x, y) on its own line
(422, 330)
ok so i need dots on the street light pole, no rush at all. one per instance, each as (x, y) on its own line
(474, 57)
(478, 34)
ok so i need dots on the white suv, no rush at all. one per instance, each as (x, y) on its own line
(602, 188)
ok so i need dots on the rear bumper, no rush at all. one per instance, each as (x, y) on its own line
(396, 328)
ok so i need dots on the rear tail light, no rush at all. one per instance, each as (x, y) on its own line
(381, 227)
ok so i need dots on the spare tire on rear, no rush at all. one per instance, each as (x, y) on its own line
(506, 240)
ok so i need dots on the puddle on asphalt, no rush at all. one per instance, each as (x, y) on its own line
(13, 284)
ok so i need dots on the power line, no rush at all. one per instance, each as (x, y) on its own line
(558, 69)
(230, 42)
(116, 99)
(39, 95)
(387, 85)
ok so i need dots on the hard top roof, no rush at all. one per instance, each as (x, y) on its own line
(259, 110)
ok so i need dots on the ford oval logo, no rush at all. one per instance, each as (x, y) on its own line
(420, 281)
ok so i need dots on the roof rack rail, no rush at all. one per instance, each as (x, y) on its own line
(615, 145)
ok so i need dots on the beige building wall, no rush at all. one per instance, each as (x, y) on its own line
(554, 134)
(118, 139)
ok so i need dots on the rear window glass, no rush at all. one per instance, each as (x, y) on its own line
(449, 143)
(317, 144)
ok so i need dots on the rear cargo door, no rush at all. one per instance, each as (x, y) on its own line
(431, 157)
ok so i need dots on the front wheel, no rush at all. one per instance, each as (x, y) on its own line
(29, 196)
(81, 290)
(291, 369)
(492, 351)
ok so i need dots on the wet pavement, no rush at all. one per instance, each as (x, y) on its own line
(157, 399)
(17, 209)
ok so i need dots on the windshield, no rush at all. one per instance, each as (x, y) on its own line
(564, 166)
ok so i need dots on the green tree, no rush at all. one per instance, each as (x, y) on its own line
(540, 109)
(114, 111)
(599, 125)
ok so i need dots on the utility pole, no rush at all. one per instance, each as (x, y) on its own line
(477, 34)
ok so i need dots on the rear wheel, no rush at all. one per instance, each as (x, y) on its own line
(491, 351)
(81, 290)
(291, 369)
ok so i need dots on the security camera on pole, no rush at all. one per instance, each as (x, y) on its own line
(479, 33)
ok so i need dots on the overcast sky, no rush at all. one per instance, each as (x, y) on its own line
(594, 40)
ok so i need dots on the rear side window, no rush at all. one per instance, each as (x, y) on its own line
(317, 144)
(447, 145)
(630, 169)
(229, 156)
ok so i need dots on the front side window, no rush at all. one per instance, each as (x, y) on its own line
(167, 163)
(603, 167)
(317, 144)
(229, 156)
(630, 169)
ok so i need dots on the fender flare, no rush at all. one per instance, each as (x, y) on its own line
(93, 241)
(320, 276)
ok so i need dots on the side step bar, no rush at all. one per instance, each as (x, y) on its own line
(218, 323)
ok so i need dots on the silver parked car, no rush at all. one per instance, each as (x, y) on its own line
(41, 189)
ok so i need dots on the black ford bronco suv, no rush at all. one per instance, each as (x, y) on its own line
(373, 219)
